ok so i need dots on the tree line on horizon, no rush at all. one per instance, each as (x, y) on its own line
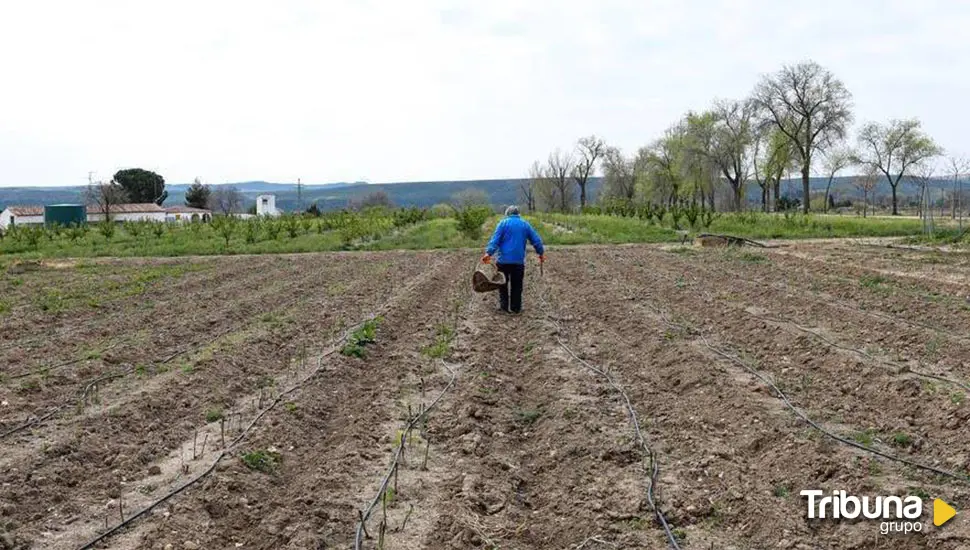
(797, 119)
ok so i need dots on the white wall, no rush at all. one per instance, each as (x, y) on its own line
(6, 216)
(130, 217)
(183, 217)
(266, 206)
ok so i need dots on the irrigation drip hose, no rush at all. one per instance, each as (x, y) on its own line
(864, 353)
(922, 374)
(49, 368)
(61, 407)
(412, 423)
(802, 416)
(239, 438)
(227, 450)
(653, 463)
(780, 285)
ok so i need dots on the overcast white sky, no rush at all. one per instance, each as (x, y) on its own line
(341, 90)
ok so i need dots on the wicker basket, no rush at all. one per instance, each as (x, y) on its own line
(487, 278)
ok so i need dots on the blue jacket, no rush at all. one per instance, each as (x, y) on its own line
(510, 239)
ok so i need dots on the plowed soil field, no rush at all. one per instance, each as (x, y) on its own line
(647, 397)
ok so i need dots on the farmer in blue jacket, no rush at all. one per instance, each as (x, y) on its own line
(509, 240)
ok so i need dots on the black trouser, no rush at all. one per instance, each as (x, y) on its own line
(514, 273)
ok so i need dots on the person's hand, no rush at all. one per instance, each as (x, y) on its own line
(542, 258)
(486, 259)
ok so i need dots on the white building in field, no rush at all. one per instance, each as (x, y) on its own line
(187, 214)
(266, 206)
(21, 215)
(150, 212)
(146, 212)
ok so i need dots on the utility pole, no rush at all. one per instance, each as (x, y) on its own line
(299, 195)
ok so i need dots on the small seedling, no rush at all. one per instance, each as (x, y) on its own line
(528, 416)
(262, 461)
(866, 437)
(921, 494)
(873, 281)
(214, 415)
(364, 335)
(957, 398)
(782, 490)
(290, 406)
(901, 439)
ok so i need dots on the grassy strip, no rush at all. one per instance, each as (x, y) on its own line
(380, 233)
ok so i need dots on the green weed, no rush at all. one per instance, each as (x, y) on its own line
(874, 282)
(262, 461)
(214, 415)
(782, 490)
(901, 439)
(528, 416)
(866, 437)
(364, 335)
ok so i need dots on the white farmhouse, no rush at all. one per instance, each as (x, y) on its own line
(187, 214)
(21, 215)
(147, 212)
(266, 206)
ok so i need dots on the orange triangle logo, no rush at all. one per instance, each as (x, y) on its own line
(942, 512)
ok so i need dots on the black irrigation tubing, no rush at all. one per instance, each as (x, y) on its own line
(164, 360)
(817, 298)
(227, 450)
(49, 368)
(395, 461)
(654, 466)
(863, 353)
(801, 415)
(333, 349)
(61, 407)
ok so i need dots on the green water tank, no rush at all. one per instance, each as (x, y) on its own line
(65, 214)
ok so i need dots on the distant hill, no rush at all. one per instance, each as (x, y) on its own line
(417, 193)
(327, 196)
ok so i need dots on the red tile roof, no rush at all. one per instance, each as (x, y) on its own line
(26, 210)
(127, 208)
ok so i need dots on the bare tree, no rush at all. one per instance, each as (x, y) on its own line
(560, 166)
(619, 175)
(893, 149)
(810, 106)
(922, 174)
(471, 197)
(865, 183)
(589, 149)
(103, 196)
(958, 166)
(836, 160)
(226, 199)
(529, 188)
